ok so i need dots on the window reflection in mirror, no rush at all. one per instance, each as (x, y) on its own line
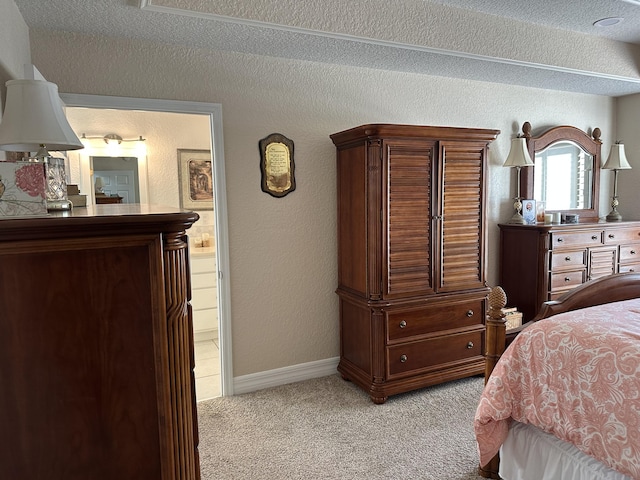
(563, 177)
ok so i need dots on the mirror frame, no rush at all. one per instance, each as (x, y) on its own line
(590, 144)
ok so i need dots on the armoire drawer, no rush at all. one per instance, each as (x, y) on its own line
(566, 280)
(409, 323)
(573, 239)
(433, 352)
(571, 259)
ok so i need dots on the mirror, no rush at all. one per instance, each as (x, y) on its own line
(566, 175)
(115, 179)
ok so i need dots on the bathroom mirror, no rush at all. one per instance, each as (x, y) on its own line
(566, 175)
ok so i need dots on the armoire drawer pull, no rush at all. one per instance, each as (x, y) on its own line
(403, 358)
(469, 313)
(470, 345)
(403, 324)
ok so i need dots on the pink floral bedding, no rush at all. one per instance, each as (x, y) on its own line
(575, 375)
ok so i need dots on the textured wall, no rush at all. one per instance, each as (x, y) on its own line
(283, 251)
(628, 132)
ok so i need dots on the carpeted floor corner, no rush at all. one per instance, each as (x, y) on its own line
(327, 428)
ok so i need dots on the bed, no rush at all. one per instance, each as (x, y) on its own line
(563, 400)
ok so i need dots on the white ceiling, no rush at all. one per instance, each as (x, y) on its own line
(549, 44)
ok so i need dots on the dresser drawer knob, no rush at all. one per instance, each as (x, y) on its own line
(632, 252)
(612, 236)
(567, 279)
(594, 237)
(470, 345)
(631, 270)
(469, 313)
(403, 324)
(560, 240)
(567, 259)
(403, 358)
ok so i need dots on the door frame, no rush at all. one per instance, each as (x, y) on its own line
(214, 111)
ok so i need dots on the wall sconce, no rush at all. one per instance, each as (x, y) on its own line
(34, 121)
(518, 157)
(617, 161)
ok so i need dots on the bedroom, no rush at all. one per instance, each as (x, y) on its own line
(283, 251)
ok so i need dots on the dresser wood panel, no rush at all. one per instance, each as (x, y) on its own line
(542, 262)
(96, 346)
(411, 255)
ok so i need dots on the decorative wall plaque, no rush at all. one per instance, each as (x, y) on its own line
(277, 165)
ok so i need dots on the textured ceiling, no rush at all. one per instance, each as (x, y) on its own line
(538, 43)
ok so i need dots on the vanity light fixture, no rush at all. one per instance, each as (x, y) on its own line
(617, 161)
(518, 157)
(114, 138)
(34, 121)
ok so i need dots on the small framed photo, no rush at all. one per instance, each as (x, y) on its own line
(195, 170)
(529, 211)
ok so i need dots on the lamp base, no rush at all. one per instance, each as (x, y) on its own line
(58, 205)
(517, 219)
(614, 216)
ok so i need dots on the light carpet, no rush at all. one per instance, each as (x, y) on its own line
(327, 428)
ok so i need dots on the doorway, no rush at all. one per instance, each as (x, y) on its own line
(218, 215)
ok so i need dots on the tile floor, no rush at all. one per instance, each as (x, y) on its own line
(207, 371)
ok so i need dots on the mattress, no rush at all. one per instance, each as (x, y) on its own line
(528, 453)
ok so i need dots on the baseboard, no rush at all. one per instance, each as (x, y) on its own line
(282, 376)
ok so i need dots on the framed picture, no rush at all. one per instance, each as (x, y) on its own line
(195, 169)
(529, 211)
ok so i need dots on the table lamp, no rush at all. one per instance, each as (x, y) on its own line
(518, 157)
(617, 161)
(34, 121)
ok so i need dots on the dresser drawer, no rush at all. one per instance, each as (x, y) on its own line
(566, 280)
(629, 268)
(574, 239)
(409, 323)
(433, 353)
(571, 259)
(630, 253)
(625, 235)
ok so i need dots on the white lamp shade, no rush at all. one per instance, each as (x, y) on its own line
(519, 154)
(617, 159)
(34, 117)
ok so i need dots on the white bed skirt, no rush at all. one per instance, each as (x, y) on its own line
(531, 454)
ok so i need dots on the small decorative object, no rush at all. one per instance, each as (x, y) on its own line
(548, 218)
(529, 212)
(540, 212)
(518, 157)
(277, 165)
(617, 161)
(557, 217)
(196, 179)
(571, 218)
(513, 317)
(22, 189)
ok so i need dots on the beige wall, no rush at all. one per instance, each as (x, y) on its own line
(283, 251)
(628, 132)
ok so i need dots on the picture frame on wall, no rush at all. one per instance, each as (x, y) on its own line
(195, 169)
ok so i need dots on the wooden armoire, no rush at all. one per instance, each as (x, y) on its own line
(411, 255)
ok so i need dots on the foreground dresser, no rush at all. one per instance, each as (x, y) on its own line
(96, 346)
(411, 248)
(542, 262)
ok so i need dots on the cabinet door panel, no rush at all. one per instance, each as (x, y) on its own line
(602, 262)
(461, 235)
(408, 241)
